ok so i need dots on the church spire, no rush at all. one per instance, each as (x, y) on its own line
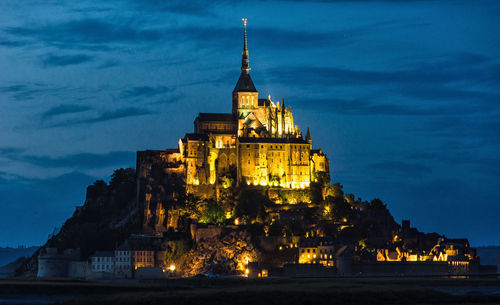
(245, 67)
(245, 83)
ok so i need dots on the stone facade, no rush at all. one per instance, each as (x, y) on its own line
(259, 138)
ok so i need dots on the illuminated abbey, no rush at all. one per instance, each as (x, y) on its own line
(258, 140)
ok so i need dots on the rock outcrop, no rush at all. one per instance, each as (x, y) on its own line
(228, 253)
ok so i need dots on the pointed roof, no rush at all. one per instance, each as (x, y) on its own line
(245, 83)
(308, 135)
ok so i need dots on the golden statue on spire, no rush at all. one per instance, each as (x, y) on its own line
(244, 22)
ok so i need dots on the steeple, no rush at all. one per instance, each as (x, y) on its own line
(308, 136)
(245, 83)
(245, 67)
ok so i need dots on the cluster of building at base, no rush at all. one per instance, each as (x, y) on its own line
(139, 256)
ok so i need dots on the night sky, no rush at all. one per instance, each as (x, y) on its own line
(403, 96)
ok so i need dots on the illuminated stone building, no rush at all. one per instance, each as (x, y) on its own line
(317, 251)
(258, 140)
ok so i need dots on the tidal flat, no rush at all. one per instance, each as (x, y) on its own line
(209, 291)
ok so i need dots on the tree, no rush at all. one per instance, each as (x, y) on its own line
(251, 203)
(335, 190)
(336, 209)
(210, 212)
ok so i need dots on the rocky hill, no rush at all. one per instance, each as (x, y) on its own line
(154, 202)
(108, 216)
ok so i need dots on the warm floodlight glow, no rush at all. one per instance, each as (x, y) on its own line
(172, 268)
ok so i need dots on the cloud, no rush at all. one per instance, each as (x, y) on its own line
(105, 116)
(455, 157)
(10, 43)
(78, 161)
(21, 92)
(28, 91)
(52, 60)
(398, 168)
(459, 84)
(192, 7)
(144, 91)
(49, 202)
(84, 33)
(64, 109)
(84, 160)
(95, 34)
(9, 151)
(482, 130)
(109, 64)
(265, 37)
(366, 107)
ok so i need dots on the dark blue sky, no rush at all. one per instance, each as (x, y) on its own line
(404, 96)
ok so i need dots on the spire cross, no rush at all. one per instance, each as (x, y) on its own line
(244, 22)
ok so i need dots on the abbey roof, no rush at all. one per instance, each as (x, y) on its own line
(245, 83)
(216, 117)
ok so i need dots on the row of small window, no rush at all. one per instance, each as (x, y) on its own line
(103, 259)
(313, 250)
(321, 256)
(276, 146)
(102, 267)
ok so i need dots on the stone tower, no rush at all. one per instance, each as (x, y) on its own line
(245, 96)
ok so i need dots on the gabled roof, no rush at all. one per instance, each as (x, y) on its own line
(245, 83)
(196, 137)
(216, 117)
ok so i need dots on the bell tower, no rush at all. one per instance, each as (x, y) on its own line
(245, 96)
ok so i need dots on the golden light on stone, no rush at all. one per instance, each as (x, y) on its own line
(259, 138)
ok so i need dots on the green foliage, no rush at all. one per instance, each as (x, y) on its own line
(174, 253)
(349, 198)
(251, 203)
(335, 190)
(336, 209)
(323, 179)
(295, 196)
(229, 180)
(210, 212)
